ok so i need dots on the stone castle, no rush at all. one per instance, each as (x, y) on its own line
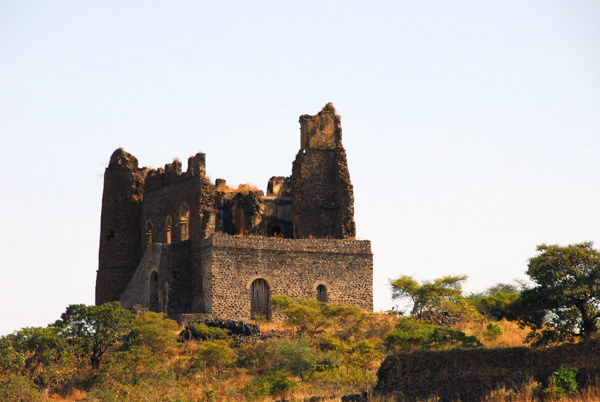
(176, 243)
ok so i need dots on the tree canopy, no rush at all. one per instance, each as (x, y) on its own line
(565, 303)
(95, 329)
(437, 295)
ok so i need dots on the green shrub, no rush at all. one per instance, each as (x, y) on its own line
(294, 357)
(154, 331)
(202, 332)
(447, 338)
(217, 354)
(210, 395)
(411, 334)
(276, 383)
(19, 389)
(10, 360)
(258, 388)
(562, 383)
(492, 331)
(280, 384)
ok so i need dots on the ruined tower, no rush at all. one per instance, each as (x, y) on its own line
(322, 191)
(120, 237)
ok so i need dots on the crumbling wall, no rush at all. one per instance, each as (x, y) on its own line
(291, 267)
(174, 286)
(470, 375)
(323, 196)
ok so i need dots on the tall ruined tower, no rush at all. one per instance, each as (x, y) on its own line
(323, 196)
(120, 235)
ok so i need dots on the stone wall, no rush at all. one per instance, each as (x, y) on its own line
(291, 267)
(470, 375)
(171, 263)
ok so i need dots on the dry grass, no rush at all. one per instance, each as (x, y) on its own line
(268, 326)
(512, 335)
(243, 189)
(530, 392)
(74, 395)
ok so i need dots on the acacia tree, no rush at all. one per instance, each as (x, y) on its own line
(436, 295)
(93, 330)
(565, 304)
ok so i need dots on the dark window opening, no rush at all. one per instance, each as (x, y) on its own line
(184, 221)
(154, 304)
(148, 233)
(321, 293)
(168, 227)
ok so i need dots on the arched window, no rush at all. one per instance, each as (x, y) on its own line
(168, 227)
(184, 222)
(154, 302)
(321, 293)
(148, 232)
(260, 302)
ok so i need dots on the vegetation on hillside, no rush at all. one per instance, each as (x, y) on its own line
(107, 353)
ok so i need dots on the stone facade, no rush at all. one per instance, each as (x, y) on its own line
(174, 242)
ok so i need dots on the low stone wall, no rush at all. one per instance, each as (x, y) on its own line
(294, 267)
(470, 375)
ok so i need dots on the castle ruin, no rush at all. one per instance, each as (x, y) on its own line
(174, 242)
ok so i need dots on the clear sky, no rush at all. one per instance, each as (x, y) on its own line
(472, 128)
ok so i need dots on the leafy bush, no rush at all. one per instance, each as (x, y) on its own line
(19, 389)
(276, 384)
(44, 353)
(294, 357)
(492, 331)
(11, 361)
(280, 384)
(258, 388)
(411, 334)
(201, 332)
(154, 331)
(562, 383)
(216, 354)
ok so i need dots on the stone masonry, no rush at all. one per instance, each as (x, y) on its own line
(174, 242)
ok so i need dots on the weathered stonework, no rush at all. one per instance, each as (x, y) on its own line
(174, 242)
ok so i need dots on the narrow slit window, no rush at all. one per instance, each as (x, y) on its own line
(148, 232)
(154, 302)
(168, 227)
(184, 223)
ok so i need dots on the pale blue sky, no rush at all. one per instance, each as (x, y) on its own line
(472, 128)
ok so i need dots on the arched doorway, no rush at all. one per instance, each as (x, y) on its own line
(261, 299)
(322, 293)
